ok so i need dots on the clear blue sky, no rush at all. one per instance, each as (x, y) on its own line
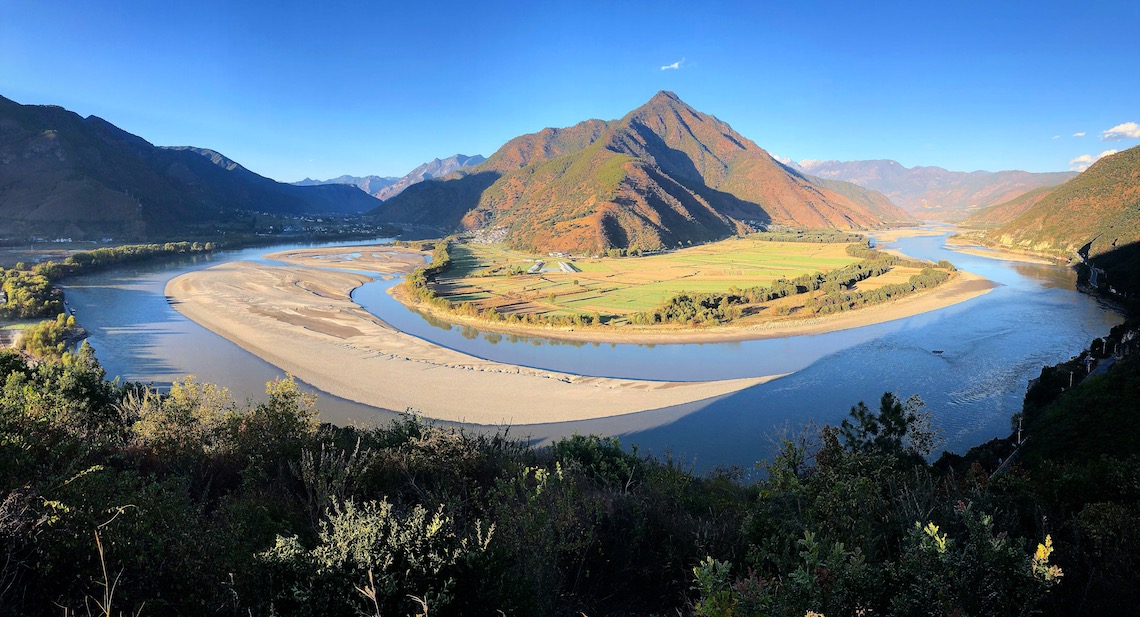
(303, 89)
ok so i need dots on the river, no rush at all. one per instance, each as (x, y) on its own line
(992, 345)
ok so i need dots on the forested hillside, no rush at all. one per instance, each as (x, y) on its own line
(1101, 205)
(115, 499)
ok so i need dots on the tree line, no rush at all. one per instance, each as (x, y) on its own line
(30, 292)
(718, 308)
(708, 308)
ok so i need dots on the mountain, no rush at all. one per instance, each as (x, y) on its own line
(1002, 213)
(662, 175)
(436, 168)
(933, 193)
(387, 187)
(368, 184)
(1101, 205)
(65, 175)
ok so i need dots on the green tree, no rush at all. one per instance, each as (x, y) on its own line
(897, 429)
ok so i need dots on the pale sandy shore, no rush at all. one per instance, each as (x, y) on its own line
(971, 248)
(387, 259)
(383, 259)
(304, 321)
(890, 235)
(301, 318)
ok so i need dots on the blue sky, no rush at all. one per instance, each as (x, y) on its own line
(303, 89)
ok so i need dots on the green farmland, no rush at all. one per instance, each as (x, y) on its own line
(493, 276)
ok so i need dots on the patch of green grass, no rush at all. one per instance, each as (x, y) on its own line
(619, 286)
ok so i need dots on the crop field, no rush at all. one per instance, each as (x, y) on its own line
(898, 274)
(493, 276)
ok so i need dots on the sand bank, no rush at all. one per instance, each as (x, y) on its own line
(891, 235)
(304, 321)
(382, 259)
(961, 287)
(970, 248)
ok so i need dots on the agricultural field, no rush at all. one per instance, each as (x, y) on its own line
(897, 275)
(514, 282)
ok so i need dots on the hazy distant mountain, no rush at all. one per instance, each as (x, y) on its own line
(436, 168)
(1000, 214)
(933, 192)
(368, 184)
(62, 174)
(1102, 203)
(662, 175)
(387, 187)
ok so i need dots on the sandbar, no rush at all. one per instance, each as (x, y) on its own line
(382, 259)
(961, 287)
(891, 235)
(962, 245)
(303, 320)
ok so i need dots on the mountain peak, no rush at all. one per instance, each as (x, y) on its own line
(665, 98)
(663, 174)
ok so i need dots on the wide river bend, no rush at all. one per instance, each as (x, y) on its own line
(991, 346)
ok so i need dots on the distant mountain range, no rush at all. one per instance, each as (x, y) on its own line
(662, 175)
(65, 175)
(386, 187)
(1101, 205)
(436, 168)
(933, 193)
(368, 184)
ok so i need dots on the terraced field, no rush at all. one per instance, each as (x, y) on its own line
(492, 276)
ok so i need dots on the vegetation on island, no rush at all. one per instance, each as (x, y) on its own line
(494, 284)
(27, 294)
(50, 338)
(29, 291)
(703, 309)
(117, 498)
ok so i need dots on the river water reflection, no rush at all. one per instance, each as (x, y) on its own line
(992, 345)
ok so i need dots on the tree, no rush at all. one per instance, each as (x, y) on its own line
(897, 429)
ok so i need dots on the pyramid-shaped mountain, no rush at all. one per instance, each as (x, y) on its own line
(664, 174)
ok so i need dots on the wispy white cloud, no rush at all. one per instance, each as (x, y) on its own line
(1056, 137)
(1083, 161)
(675, 66)
(1128, 130)
(1081, 134)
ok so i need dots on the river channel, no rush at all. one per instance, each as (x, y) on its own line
(991, 346)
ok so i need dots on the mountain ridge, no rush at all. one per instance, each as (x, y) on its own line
(662, 174)
(65, 175)
(435, 168)
(929, 191)
(1101, 205)
(368, 184)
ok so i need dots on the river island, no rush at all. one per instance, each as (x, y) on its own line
(296, 312)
